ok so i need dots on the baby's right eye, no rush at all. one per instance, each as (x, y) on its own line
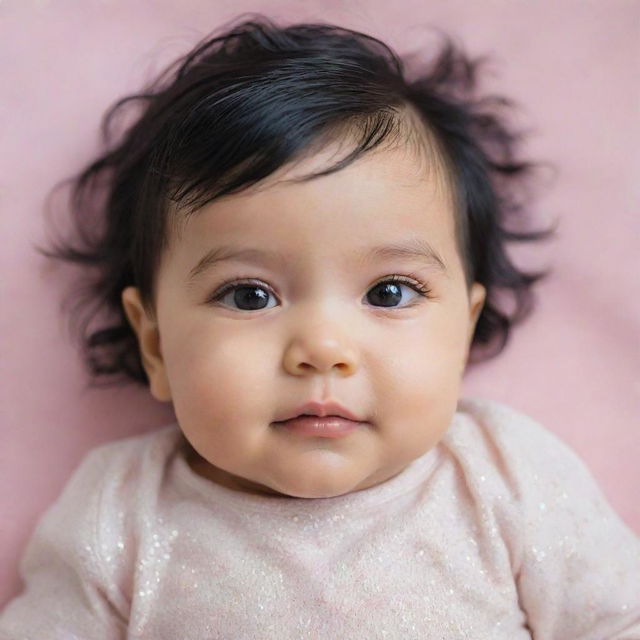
(247, 295)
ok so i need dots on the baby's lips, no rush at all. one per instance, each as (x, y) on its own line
(321, 409)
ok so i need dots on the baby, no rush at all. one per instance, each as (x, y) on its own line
(300, 247)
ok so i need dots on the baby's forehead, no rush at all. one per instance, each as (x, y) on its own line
(383, 205)
(385, 175)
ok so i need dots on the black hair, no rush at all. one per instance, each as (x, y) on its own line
(245, 102)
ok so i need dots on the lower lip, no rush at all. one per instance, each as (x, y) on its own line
(328, 427)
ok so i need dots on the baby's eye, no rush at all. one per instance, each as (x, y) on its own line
(247, 296)
(388, 293)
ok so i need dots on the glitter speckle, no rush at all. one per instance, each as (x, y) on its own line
(538, 554)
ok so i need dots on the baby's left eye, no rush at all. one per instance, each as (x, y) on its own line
(388, 293)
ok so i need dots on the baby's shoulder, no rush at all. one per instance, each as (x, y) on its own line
(114, 477)
(120, 469)
(492, 438)
(155, 444)
(93, 524)
(483, 419)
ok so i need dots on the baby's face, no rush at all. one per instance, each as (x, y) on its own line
(320, 321)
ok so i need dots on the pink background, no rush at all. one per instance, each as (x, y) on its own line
(573, 65)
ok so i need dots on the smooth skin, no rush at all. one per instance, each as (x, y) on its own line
(316, 328)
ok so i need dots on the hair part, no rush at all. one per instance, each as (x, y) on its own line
(246, 103)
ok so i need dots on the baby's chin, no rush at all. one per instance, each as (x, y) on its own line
(322, 489)
(308, 490)
(312, 480)
(314, 493)
(244, 485)
(294, 488)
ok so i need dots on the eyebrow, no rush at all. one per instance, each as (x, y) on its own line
(412, 249)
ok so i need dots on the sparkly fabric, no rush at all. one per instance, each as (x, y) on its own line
(499, 532)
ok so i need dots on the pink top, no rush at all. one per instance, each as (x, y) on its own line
(498, 532)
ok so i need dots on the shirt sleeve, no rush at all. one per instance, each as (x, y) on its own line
(578, 574)
(66, 594)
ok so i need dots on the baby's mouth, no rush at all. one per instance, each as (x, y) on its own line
(320, 426)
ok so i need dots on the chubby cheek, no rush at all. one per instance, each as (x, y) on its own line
(417, 388)
(220, 389)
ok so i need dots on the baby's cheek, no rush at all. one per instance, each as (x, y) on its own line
(419, 385)
(219, 379)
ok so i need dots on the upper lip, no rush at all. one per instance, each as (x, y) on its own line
(321, 409)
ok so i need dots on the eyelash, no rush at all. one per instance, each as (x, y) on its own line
(415, 284)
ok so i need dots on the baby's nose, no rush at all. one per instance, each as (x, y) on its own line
(321, 351)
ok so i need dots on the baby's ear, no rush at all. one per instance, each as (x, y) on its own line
(148, 334)
(477, 298)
